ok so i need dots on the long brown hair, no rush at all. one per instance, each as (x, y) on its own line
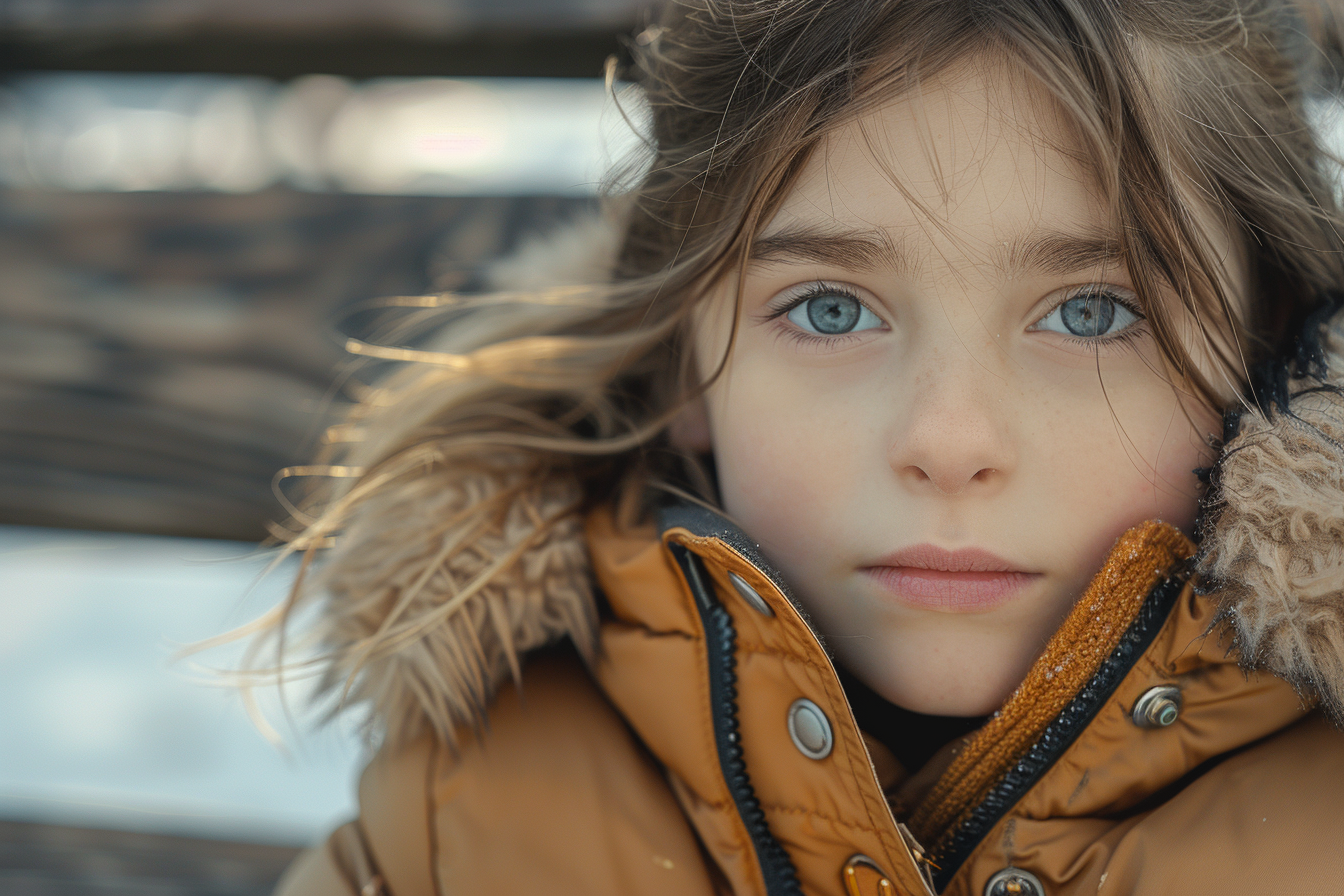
(518, 413)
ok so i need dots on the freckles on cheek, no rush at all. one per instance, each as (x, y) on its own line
(779, 463)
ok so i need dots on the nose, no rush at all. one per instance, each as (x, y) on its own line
(954, 436)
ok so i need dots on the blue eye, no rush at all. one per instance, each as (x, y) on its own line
(831, 313)
(1092, 313)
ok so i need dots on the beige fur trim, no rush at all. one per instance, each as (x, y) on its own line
(439, 587)
(581, 252)
(442, 581)
(1274, 553)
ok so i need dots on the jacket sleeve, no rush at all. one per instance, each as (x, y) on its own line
(556, 796)
(340, 867)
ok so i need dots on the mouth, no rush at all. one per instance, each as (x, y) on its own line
(930, 577)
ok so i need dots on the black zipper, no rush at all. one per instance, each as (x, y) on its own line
(781, 878)
(1063, 731)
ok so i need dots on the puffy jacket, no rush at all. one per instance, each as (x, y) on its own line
(1166, 741)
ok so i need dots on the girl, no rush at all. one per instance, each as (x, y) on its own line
(969, 318)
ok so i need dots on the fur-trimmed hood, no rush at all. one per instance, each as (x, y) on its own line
(1272, 530)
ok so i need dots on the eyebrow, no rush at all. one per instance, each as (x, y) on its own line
(1050, 252)
(863, 250)
(1053, 252)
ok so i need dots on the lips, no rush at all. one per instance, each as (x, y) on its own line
(967, 579)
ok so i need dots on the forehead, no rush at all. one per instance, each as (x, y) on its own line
(973, 161)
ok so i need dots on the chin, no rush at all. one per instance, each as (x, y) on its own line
(951, 694)
(956, 705)
(965, 677)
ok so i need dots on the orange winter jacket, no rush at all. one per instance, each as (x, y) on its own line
(710, 749)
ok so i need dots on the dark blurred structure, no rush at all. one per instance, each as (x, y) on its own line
(356, 38)
(177, 252)
(163, 353)
(50, 860)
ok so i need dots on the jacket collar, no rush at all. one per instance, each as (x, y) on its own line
(657, 662)
(705, 522)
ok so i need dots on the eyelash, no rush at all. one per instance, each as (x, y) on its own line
(813, 291)
(1118, 340)
(822, 288)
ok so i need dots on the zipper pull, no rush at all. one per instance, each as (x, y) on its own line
(925, 865)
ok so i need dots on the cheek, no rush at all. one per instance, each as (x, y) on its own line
(1167, 441)
(1178, 491)
(784, 468)
(1133, 462)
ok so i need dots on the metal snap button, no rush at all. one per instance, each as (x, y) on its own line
(1014, 882)
(809, 729)
(754, 600)
(1158, 707)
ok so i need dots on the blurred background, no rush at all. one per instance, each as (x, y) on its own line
(194, 194)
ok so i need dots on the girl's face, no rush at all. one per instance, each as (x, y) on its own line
(944, 404)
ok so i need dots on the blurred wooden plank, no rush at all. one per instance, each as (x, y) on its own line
(355, 38)
(52, 860)
(436, 17)
(163, 354)
(494, 52)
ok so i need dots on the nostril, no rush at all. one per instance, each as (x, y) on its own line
(949, 482)
(952, 442)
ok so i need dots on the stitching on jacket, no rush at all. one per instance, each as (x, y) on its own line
(860, 777)
(857, 766)
(650, 631)
(813, 813)
(761, 650)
